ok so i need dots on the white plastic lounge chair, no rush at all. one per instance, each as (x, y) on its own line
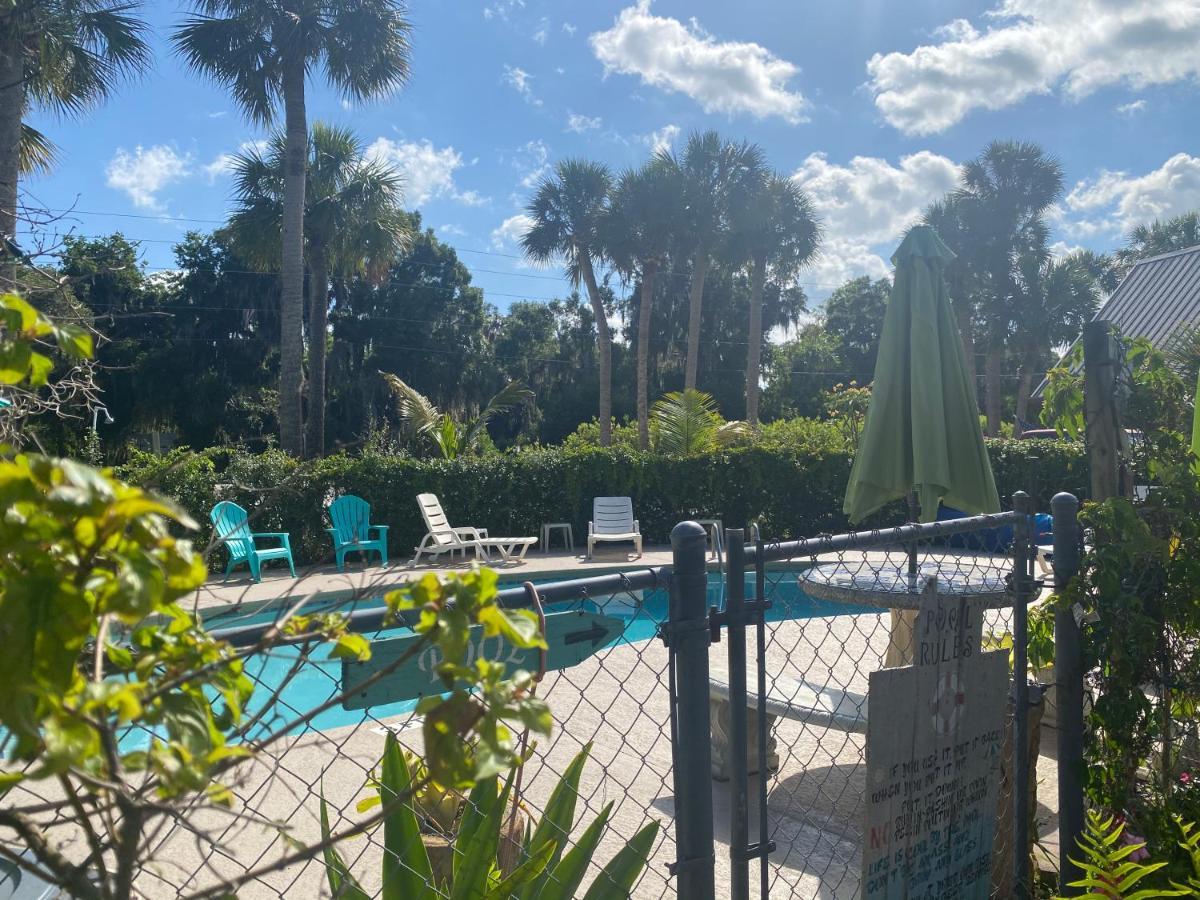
(443, 538)
(612, 520)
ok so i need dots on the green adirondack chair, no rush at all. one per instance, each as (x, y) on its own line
(352, 530)
(232, 528)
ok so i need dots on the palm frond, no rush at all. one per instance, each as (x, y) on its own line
(413, 406)
(685, 422)
(36, 152)
(512, 394)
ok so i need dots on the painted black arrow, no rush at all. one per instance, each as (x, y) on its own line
(595, 634)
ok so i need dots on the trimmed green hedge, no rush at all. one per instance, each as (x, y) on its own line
(791, 492)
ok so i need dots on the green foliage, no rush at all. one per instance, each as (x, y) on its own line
(847, 405)
(25, 333)
(854, 318)
(685, 423)
(791, 488)
(1111, 866)
(544, 869)
(452, 438)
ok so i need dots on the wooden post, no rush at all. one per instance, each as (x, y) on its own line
(1102, 423)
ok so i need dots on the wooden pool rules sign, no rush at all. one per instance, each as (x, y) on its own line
(934, 742)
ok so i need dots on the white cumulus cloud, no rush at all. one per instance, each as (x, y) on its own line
(1115, 202)
(866, 204)
(428, 171)
(1035, 47)
(532, 160)
(1129, 109)
(581, 123)
(661, 138)
(722, 76)
(146, 171)
(507, 235)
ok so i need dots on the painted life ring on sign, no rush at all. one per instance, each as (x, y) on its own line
(947, 703)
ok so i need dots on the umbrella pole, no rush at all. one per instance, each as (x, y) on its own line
(912, 547)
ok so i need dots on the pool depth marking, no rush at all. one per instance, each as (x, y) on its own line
(571, 637)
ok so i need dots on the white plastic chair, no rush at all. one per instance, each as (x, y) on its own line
(443, 538)
(612, 520)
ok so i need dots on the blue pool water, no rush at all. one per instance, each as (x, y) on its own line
(314, 682)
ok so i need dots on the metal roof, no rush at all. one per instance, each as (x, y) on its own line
(1157, 296)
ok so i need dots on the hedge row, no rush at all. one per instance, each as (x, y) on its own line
(790, 492)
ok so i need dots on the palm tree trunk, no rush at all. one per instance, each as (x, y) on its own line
(992, 383)
(291, 304)
(604, 342)
(318, 324)
(1024, 389)
(12, 107)
(754, 339)
(649, 273)
(966, 332)
(700, 265)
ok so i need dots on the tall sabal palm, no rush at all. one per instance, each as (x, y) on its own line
(64, 56)
(354, 224)
(948, 217)
(646, 208)
(716, 177)
(568, 212)
(264, 51)
(1005, 193)
(776, 227)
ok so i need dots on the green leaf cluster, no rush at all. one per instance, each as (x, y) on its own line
(547, 867)
(23, 330)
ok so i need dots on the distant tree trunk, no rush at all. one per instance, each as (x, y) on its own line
(318, 324)
(291, 302)
(604, 342)
(12, 107)
(700, 266)
(649, 273)
(754, 351)
(992, 383)
(966, 332)
(1024, 389)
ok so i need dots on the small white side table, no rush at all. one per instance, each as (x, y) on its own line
(568, 534)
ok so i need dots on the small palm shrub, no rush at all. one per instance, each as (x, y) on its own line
(1114, 864)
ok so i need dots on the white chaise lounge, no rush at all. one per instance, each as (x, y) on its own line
(612, 520)
(443, 538)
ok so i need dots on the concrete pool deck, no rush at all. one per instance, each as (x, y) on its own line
(616, 700)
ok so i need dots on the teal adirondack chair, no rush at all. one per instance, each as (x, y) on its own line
(352, 529)
(232, 528)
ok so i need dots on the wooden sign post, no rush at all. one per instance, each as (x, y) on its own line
(571, 637)
(934, 743)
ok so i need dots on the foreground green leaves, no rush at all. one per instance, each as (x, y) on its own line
(478, 870)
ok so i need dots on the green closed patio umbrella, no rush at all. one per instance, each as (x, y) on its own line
(922, 433)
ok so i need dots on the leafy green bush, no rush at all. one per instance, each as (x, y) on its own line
(791, 490)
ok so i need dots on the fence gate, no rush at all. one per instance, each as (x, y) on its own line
(769, 696)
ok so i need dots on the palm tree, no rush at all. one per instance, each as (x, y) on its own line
(65, 56)
(354, 224)
(716, 177)
(948, 217)
(777, 227)
(687, 422)
(1058, 298)
(568, 211)
(264, 51)
(1005, 193)
(452, 437)
(645, 210)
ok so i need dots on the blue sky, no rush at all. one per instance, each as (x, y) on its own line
(870, 104)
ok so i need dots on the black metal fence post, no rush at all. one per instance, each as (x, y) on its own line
(739, 807)
(688, 632)
(1068, 680)
(1021, 579)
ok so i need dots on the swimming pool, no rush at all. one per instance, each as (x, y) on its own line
(312, 683)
